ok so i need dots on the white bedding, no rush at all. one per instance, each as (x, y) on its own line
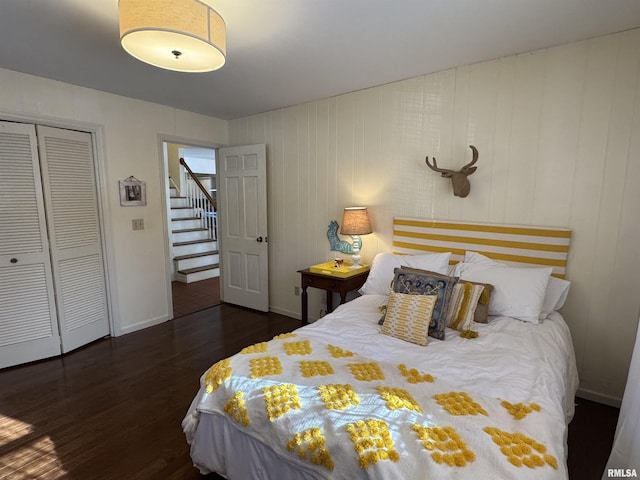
(510, 360)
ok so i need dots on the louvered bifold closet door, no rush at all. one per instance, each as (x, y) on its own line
(28, 326)
(68, 179)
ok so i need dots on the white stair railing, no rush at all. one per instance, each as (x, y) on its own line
(199, 199)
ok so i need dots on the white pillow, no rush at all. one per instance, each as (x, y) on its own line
(555, 294)
(381, 273)
(518, 291)
(475, 257)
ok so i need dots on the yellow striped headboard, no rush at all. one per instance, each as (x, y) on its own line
(512, 244)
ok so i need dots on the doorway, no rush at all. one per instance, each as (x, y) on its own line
(240, 173)
(192, 232)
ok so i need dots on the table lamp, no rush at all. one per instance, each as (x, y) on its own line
(355, 222)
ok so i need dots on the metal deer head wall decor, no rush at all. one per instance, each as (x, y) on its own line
(459, 180)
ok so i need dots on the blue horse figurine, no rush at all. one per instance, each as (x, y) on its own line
(335, 242)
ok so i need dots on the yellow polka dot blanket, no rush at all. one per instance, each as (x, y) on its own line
(349, 417)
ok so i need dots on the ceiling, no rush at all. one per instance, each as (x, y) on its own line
(286, 52)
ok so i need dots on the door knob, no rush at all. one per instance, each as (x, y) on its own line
(259, 239)
(14, 260)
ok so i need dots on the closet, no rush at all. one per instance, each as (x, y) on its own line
(52, 283)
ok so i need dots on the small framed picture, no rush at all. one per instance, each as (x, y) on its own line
(133, 192)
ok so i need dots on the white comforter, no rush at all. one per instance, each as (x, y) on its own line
(510, 360)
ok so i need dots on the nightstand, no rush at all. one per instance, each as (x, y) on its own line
(330, 284)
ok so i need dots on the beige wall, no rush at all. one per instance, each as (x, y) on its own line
(558, 132)
(128, 134)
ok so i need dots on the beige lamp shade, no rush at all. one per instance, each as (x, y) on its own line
(355, 221)
(180, 35)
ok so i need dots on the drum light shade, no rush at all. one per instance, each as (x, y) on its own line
(180, 35)
(355, 221)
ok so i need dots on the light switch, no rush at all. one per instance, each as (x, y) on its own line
(138, 223)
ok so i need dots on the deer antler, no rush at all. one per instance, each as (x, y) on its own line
(435, 167)
(474, 160)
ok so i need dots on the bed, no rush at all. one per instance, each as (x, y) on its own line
(483, 388)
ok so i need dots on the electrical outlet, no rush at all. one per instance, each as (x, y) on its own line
(137, 223)
(296, 290)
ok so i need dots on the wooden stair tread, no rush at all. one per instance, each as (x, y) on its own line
(195, 255)
(189, 230)
(192, 242)
(199, 269)
(184, 218)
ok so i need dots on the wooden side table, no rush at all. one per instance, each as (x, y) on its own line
(330, 284)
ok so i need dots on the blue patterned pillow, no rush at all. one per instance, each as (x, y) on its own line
(422, 282)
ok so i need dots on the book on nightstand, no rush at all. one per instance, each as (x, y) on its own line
(329, 268)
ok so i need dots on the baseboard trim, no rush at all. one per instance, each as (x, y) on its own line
(599, 397)
(286, 313)
(144, 324)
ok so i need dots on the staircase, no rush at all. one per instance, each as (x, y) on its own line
(195, 247)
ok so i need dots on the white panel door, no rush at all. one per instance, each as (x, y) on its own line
(242, 210)
(68, 180)
(28, 325)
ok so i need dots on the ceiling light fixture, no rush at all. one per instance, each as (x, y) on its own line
(180, 35)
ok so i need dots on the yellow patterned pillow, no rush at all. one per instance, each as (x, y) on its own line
(408, 317)
(464, 302)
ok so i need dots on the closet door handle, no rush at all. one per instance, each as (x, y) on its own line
(14, 260)
(259, 239)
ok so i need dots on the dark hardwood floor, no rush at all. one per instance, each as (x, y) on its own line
(193, 297)
(590, 439)
(112, 410)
